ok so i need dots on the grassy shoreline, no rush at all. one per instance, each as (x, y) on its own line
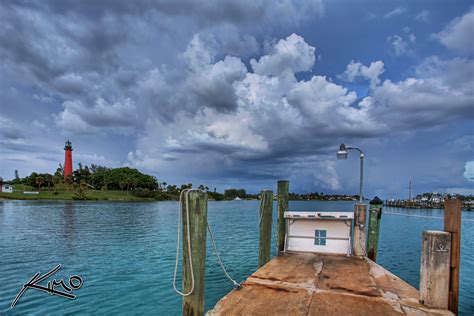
(62, 193)
(71, 196)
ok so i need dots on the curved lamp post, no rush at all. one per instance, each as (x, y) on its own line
(342, 155)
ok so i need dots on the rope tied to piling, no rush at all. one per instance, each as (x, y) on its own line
(184, 192)
(237, 285)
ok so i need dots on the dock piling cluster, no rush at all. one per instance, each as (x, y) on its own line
(440, 260)
(439, 269)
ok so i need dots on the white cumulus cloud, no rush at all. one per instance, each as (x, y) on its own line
(357, 69)
(291, 54)
(459, 34)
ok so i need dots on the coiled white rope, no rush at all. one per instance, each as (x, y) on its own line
(184, 192)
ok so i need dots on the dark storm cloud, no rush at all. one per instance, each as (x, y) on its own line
(72, 47)
(190, 84)
(15, 39)
(9, 130)
(232, 11)
(10, 133)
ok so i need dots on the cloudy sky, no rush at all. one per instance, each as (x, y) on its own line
(241, 93)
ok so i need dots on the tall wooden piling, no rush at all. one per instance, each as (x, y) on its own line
(452, 224)
(283, 188)
(434, 269)
(375, 215)
(196, 202)
(359, 230)
(266, 210)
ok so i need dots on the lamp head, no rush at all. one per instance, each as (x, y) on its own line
(342, 152)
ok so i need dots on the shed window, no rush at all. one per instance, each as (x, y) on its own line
(320, 237)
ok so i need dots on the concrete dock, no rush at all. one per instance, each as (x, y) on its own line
(317, 284)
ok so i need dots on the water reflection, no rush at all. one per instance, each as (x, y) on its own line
(69, 228)
(126, 251)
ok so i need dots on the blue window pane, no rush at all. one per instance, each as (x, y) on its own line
(320, 237)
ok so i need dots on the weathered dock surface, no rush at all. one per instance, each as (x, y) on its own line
(317, 284)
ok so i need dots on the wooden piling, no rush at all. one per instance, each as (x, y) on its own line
(434, 269)
(359, 230)
(283, 188)
(452, 224)
(196, 201)
(375, 214)
(266, 210)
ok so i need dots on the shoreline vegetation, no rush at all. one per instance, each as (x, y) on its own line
(100, 183)
(158, 195)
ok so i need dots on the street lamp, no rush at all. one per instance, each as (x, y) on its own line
(342, 155)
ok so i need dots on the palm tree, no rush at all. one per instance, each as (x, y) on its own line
(49, 179)
(39, 181)
(82, 189)
(129, 182)
(122, 184)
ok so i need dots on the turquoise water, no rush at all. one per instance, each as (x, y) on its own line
(125, 252)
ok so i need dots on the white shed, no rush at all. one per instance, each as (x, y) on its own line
(321, 232)
(6, 188)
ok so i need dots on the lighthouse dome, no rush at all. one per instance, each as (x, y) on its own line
(68, 145)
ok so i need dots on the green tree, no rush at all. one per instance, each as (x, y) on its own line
(233, 193)
(39, 181)
(68, 182)
(49, 180)
(81, 190)
(122, 184)
(60, 170)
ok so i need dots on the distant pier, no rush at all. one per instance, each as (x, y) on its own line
(414, 204)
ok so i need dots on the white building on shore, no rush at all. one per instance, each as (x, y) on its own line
(6, 188)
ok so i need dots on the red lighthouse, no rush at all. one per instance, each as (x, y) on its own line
(67, 160)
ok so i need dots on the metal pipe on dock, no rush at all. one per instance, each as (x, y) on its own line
(359, 244)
